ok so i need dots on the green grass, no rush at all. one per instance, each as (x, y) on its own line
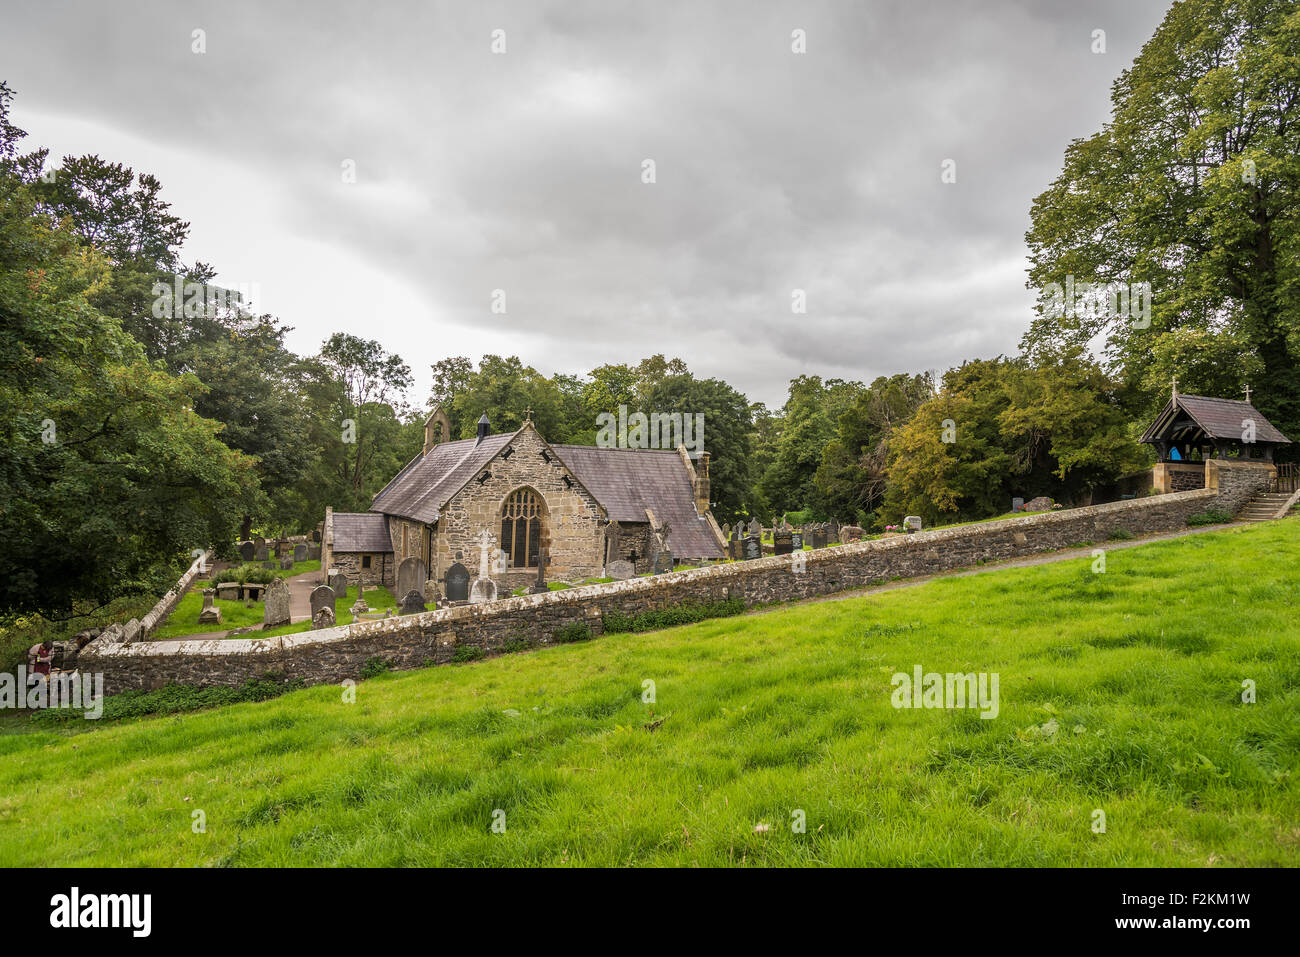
(1139, 669)
(184, 620)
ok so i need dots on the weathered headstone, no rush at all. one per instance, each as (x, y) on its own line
(315, 535)
(852, 533)
(412, 603)
(819, 537)
(359, 608)
(276, 610)
(323, 618)
(286, 564)
(211, 614)
(457, 583)
(484, 588)
(1040, 504)
(268, 564)
(322, 596)
(247, 551)
(539, 587)
(1017, 503)
(313, 553)
(338, 581)
(833, 531)
(411, 576)
(782, 542)
(262, 554)
(663, 562)
(259, 542)
(753, 547)
(912, 523)
(300, 552)
(228, 591)
(755, 528)
(620, 571)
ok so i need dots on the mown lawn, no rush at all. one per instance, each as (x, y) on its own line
(184, 620)
(1139, 670)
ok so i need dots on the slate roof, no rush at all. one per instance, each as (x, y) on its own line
(419, 489)
(1218, 418)
(628, 481)
(361, 532)
(624, 481)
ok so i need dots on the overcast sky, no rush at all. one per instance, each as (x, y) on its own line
(522, 171)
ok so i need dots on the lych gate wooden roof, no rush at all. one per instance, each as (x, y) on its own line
(1217, 418)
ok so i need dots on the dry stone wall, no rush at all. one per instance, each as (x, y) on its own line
(333, 654)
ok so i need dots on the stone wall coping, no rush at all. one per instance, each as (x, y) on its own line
(386, 627)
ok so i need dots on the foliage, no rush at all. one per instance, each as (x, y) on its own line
(614, 621)
(573, 631)
(1211, 516)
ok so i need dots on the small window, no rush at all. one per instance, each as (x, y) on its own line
(365, 561)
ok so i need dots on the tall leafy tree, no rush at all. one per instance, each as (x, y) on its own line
(1194, 188)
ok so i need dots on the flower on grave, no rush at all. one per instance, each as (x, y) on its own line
(1056, 505)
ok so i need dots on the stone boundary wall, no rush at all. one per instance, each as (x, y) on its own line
(167, 604)
(331, 655)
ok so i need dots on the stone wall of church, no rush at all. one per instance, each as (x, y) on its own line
(573, 523)
(634, 539)
(382, 570)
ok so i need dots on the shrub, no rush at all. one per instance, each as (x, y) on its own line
(374, 667)
(467, 653)
(574, 631)
(616, 621)
(1120, 535)
(516, 644)
(1211, 516)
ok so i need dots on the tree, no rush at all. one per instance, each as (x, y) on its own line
(1194, 188)
(805, 427)
(109, 478)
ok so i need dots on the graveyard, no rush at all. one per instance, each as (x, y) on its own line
(779, 715)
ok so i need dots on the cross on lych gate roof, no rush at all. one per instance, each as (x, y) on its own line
(1247, 391)
(528, 415)
(1175, 387)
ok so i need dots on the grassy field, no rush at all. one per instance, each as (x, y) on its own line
(1119, 692)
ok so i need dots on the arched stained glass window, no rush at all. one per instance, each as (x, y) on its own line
(521, 528)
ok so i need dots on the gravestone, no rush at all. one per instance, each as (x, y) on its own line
(411, 576)
(211, 614)
(323, 619)
(819, 537)
(286, 564)
(796, 539)
(736, 549)
(276, 611)
(1040, 504)
(753, 547)
(457, 582)
(912, 523)
(247, 551)
(1017, 504)
(313, 553)
(253, 591)
(322, 597)
(359, 608)
(620, 571)
(755, 528)
(262, 553)
(315, 535)
(663, 562)
(852, 533)
(338, 581)
(300, 552)
(412, 603)
(484, 588)
(268, 564)
(782, 542)
(228, 591)
(539, 587)
(259, 542)
(833, 532)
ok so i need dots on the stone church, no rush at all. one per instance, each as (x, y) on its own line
(583, 506)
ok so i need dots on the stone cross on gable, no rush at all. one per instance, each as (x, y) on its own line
(528, 415)
(486, 547)
(1247, 391)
